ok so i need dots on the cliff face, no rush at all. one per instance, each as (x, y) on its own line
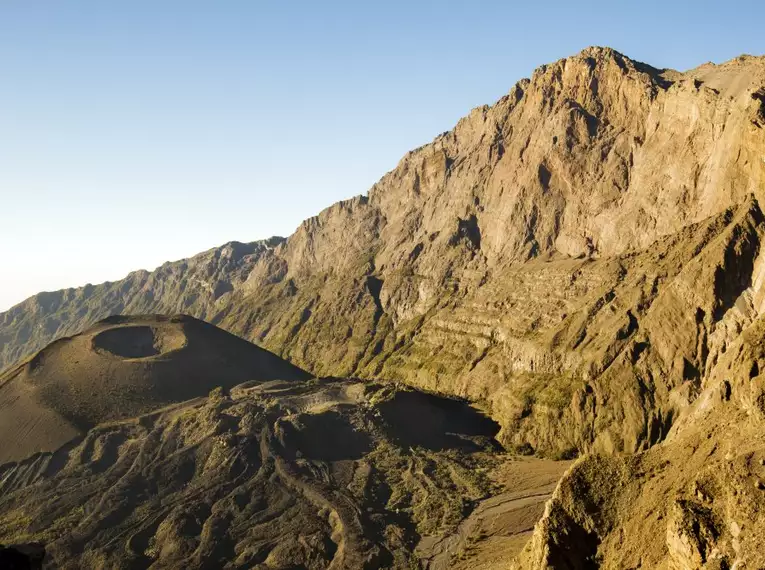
(575, 256)
(695, 501)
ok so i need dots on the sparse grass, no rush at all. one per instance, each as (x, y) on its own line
(14, 525)
(435, 488)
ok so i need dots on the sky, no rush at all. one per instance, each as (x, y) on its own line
(135, 132)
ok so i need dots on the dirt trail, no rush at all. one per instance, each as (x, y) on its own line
(499, 526)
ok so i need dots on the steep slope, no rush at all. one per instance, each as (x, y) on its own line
(695, 501)
(121, 368)
(574, 255)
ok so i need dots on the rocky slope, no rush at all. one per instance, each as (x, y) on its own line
(576, 256)
(692, 502)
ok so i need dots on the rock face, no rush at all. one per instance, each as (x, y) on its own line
(577, 256)
(694, 502)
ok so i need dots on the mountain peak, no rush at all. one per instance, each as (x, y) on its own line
(584, 258)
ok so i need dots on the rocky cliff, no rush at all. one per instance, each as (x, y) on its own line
(576, 256)
(693, 502)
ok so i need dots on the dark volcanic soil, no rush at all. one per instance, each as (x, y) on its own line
(276, 475)
(121, 368)
(167, 443)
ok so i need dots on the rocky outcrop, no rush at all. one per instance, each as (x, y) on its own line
(576, 256)
(696, 501)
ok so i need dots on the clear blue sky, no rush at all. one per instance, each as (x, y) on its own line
(138, 131)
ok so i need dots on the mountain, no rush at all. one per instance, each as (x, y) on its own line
(165, 442)
(583, 259)
(192, 286)
(693, 502)
(573, 256)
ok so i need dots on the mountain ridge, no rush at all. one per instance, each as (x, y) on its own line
(212, 273)
(509, 260)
